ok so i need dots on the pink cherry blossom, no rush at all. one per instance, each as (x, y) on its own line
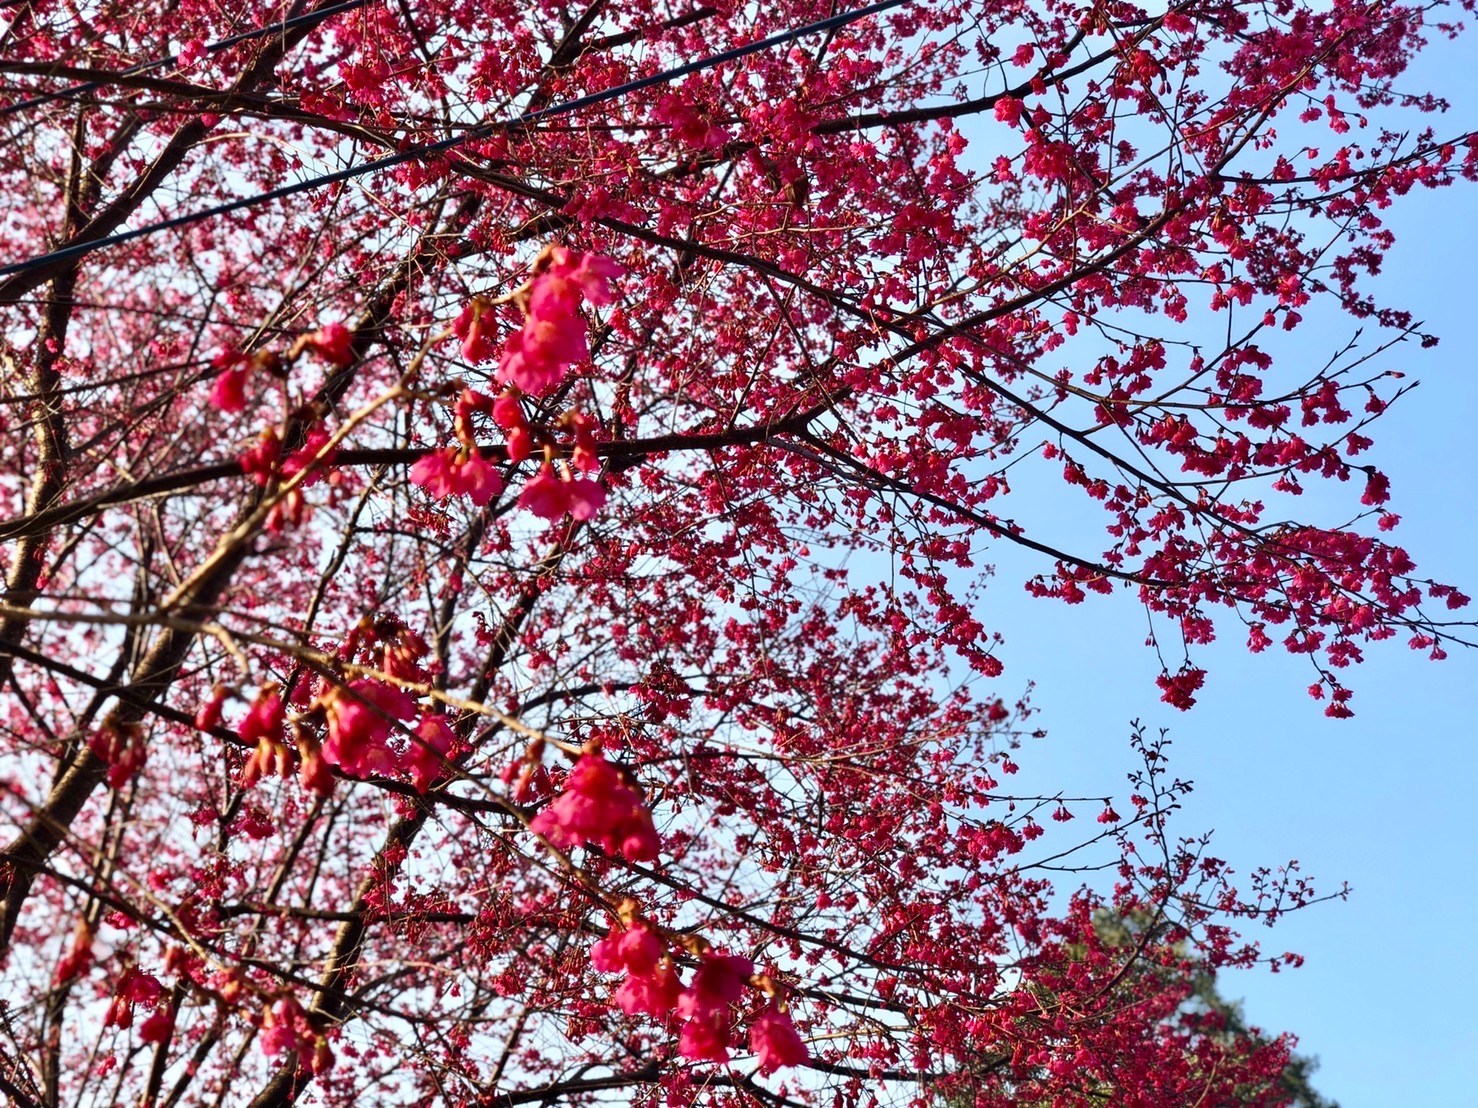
(1008, 110)
(423, 758)
(586, 498)
(133, 988)
(519, 445)
(775, 1041)
(472, 328)
(314, 773)
(208, 718)
(158, 1027)
(478, 479)
(652, 994)
(334, 342)
(651, 987)
(591, 274)
(545, 495)
(635, 949)
(705, 1040)
(228, 394)
(300, 460)
(597, 806)
(258, 460)
(508, 412)
(360, 719)
(458, 471)
(124, 747)
(719, 982)
(402, 655)
(436, 472)
(264, 719)
(707, 1005)
(286, 1028)
(536, 358)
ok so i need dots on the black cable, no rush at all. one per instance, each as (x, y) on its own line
(306, 19)
(483, 130)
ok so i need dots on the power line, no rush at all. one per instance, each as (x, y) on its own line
(483, 130)
(307, 19)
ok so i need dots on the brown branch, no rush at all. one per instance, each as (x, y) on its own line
(865, 120)
(624, 453)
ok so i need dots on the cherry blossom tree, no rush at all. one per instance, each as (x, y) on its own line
(496, 500)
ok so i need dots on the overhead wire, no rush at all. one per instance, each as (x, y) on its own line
(482, 130)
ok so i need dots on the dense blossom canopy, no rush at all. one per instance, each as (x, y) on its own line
(498, 626)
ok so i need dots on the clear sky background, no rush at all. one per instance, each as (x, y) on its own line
(1388, 998)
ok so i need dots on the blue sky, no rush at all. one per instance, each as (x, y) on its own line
(1385, 801)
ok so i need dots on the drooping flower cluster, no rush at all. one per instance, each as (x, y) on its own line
(706, 1005)
(263, 725)
(361, 716)
(235, 368)
(598, 806)
(79, 956)
(370, 727)
(651, 987)
(137, 987)
(536, 358)
(533, 360)
(123, 746)
(263, 460)
(775, 1041)
(286, 1028)
(431, 742)
(461, 470)
(552, 496)
(509, 415)
(527, 777)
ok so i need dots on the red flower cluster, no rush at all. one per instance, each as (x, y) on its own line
(598, 807)
(263, 725)
(79, 955)
(123, 747)
(651, 987)
(286, 1027)
(636, 949)
(472, 328)
(333, 342)
(533, 361)
(552, 497)
(432, 742)
(775, 1041)
(508, 414)
(461, 471)
(706, 1005)
(360, 719)
(368, 735)
(553, 336)
(458, 471)
(133, 988)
